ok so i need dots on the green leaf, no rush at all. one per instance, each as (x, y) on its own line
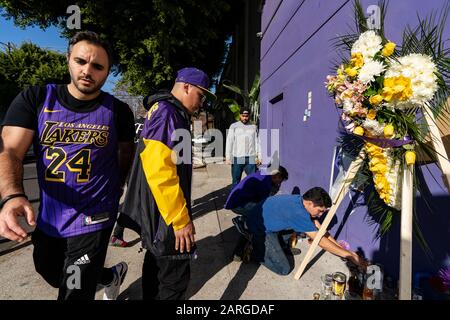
(227, 84)
(370, 92)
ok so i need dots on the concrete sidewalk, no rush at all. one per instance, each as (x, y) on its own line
(214, 274)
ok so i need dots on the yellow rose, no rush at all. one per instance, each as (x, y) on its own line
(380, 185)
(371, 115)
(357, 60)
(410, 157)
(352, 72)
(358, 131)
(380, 167)
(375, 100)
(373, 148)
(376, 160)
(388, 131)
(385, 197)
(388, 49)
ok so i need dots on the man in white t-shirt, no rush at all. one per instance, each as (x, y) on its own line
(242, 149)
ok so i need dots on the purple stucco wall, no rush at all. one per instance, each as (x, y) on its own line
(296, 56)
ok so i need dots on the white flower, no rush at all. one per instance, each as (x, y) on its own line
(421, 70)
(368, 44)
(394, 179)
(373, 126)
(347, 106)
(370, 70)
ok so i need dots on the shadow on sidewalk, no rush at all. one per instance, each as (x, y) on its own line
(213, 201)
(239, 283)
(214, 254)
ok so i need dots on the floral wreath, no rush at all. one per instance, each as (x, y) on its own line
(383, 91)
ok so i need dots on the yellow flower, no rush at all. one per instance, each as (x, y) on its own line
(388, 49)
(388, 131)
(378, 160)
(385, 197)
(371, 115)
(373, 148)
(382, 183)
(347, 94)
(357, 60)
(410, 157)
(379, 167)
(375, 161)
(352, 72)
(358, 131)
(375, 100)
(406, 93)
(397, 88)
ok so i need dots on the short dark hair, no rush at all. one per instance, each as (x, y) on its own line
(282, 172)
(92, 38)
(318, 196)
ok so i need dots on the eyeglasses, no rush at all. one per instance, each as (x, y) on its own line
(202, 96)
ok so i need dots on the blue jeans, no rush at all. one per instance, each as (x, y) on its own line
(240, 165)
(272, 251)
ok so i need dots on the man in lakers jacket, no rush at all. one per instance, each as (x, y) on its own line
(158, 200)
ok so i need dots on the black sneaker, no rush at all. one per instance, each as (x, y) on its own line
(240, 226)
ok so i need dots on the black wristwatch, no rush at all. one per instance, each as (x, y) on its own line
(11, 196)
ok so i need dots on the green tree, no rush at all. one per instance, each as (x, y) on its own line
(151, 39)
(249, 99)
(28, 65)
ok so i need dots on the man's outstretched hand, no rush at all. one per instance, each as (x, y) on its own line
(358, 260)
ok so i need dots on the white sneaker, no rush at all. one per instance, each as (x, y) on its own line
(113, 289)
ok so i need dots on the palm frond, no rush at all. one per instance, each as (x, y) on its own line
(427, 38)
(416, 225)
(254, 91)
(360, 17)
(361, 20)
(227, 84)
(383, 5)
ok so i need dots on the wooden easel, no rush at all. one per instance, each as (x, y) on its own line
(407, 207)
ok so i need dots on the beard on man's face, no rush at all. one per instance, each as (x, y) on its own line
(88, 90)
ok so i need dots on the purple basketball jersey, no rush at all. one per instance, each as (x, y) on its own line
(77, 164)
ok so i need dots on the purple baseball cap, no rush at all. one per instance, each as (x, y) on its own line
(197, 78)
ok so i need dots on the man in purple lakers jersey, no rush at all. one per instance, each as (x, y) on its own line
(158, 198)
(83, 140)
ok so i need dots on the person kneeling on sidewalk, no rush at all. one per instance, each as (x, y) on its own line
(270, 220)
(253, 189)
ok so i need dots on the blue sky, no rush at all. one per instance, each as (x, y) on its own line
(49, 39)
